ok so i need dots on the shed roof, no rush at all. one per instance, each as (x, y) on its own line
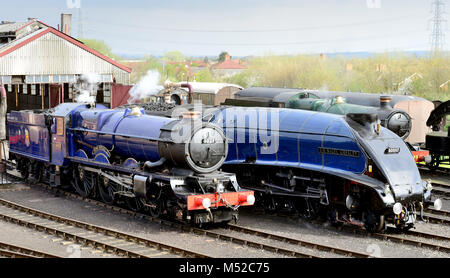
(12, 26)
(228, 64)
(6, 49)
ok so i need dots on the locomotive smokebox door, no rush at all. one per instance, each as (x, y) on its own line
(58, 142)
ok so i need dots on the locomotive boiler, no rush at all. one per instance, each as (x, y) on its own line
(165, 166)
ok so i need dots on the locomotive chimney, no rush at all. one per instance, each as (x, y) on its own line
(385, 102)
(168, 85)
(66, 23)
(193, 115)
(339, 100)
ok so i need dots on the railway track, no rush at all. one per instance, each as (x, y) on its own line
(394, 236)
(109, 241)
(435, 216)
(186, 228)
(438, 212)
(426, 235)
(440, 181)
(440, 188)
(13, 255)
(14, 251)
(439, 170)
(219, 234)
(414, 242)
(299, 242)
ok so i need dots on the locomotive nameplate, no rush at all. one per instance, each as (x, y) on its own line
(60, 126)
(57, 147)
(339, 152)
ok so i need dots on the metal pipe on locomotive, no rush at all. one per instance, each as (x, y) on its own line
(166, 166)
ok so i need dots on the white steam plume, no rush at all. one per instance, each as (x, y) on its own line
(147, 86)
(86, 88)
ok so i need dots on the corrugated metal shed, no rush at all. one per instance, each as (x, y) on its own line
(48, 51)
(11, 27)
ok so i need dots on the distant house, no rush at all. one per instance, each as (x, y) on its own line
(192, 66)
(196, 66)
(228, 67)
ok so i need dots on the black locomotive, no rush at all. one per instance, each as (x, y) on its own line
(438, 142)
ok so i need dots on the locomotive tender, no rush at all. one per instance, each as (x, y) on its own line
(438, 142)
(346, 167)
(167, 166)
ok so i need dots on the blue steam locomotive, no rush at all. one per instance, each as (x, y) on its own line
(165, 166)
(349, 168)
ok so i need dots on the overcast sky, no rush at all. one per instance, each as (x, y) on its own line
(241, 27)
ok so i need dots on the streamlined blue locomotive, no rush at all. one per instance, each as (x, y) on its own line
(349, 168)
(167, 166)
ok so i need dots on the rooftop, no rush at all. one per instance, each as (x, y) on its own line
(11, 26)
(38, 30)
(229, 64)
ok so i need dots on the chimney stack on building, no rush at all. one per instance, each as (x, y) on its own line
(66, 23)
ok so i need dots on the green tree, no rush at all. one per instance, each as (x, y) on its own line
(204, 76)
(173, 56)
(222, 56)
(100, 46)
(141, 70)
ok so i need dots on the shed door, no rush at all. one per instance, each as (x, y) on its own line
(58, 141)
(54, 95)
